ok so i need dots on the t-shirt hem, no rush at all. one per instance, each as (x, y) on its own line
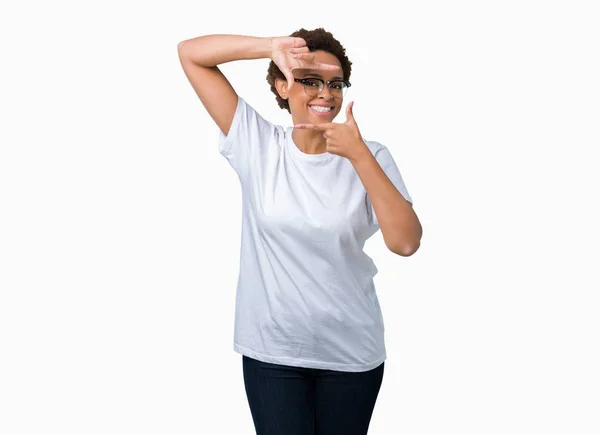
(297, 362)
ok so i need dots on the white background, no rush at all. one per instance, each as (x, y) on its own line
(120, 221)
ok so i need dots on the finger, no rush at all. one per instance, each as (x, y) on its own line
(349, 114)
(303, 56)
(305, 59)
(327, 66)
(299, 50)
(298, 42)
(319, 127)
(290, 78)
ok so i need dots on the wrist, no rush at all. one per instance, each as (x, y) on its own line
(269, 47)
(361, 154)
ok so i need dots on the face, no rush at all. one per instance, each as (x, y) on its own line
(301, 105)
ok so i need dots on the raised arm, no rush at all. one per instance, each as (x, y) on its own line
(199, 58)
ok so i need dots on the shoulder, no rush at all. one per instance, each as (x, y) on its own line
(376, 148)
(250, 114)
(250, 135)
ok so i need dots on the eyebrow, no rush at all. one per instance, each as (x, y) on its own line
(320, 76)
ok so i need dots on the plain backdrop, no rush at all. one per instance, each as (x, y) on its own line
(120, 221)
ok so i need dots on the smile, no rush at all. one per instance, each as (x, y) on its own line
(321, 110)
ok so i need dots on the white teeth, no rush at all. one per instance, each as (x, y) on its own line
(321, 109)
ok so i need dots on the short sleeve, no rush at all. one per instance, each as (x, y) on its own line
(249, 135)
(388, 164)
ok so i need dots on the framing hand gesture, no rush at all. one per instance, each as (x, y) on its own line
(290, 53)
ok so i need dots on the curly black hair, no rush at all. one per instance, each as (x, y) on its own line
(317, 39)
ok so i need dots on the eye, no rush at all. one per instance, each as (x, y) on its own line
(311, 82)
(337, 85)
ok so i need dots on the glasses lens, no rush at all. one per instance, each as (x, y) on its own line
(337, 88)
(311, 86)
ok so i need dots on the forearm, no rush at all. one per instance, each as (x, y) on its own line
(213, 50)
(398, 222)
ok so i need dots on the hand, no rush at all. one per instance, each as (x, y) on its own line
(341, 139)
(290, 53)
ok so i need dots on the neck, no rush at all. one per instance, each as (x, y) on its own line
(309, 141)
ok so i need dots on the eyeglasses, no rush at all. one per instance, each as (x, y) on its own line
(313, 86)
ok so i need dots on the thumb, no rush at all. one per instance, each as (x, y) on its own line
(349, 114)
(289, 76)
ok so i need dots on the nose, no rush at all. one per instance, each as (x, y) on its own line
(325, 92)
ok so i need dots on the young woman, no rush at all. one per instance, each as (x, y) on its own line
(308, 322)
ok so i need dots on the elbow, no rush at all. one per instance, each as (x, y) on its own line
(406, 251)
(181, 50)
(409, 248)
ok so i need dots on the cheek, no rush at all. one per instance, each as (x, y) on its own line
(298, 96)
(297, 103)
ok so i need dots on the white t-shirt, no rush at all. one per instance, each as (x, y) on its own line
(305, 293)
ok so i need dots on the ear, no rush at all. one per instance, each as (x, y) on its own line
(281, 86)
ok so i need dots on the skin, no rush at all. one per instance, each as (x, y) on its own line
(311, 141)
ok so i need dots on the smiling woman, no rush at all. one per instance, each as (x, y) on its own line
(315, 40)
(317, 97)
(307, 322)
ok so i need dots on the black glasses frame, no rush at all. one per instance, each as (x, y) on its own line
(323, 83)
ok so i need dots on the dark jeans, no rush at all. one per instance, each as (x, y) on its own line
(286, 400)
